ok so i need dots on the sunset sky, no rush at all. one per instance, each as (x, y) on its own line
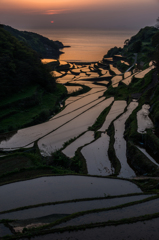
(97, 14)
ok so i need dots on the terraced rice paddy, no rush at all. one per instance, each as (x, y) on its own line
(4, 230)
(115, 80)
(84, 139)
(120, 143)
(117, 108)
(97, 157)
(70, 207)
(136, 210)
(61, 188)
(140, 230)
(71, 89)
(61, 203)
(56, 139)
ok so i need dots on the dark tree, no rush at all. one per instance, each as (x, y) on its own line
(155, 43)
(126, 43)
(157, 24)
(137, 46)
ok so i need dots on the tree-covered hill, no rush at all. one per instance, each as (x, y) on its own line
(140, 43)
(43, 46)
(20, 66)
(28, 92)
(155, 43)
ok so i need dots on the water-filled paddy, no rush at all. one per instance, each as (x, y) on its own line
(128, 80)
(144, 72)
(46, 60)
(71, 89)
(137, 210)
(115, 80)
(103, 82)
(80, 103)
(114, 69)
(127, 74)
(70, 150)
(4, 230)
(56, 74)
(117, 108)
(92, 91)
(90, 84)
(69, 208)
(126, 63)
(56, 139)
(28, 135)
(140, 230)
(120, 143)
(97, 158)
(61, 188)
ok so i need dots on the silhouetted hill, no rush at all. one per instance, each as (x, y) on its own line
(26, 85)
(20, 66)
(43, 46)
(140, 43)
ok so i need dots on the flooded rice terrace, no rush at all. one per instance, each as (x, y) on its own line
(55, 197)
(78, 116)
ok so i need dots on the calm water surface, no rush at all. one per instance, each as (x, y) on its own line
(86, 45)
(61, 188)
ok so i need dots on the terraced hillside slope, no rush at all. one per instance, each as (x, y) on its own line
(92, 170)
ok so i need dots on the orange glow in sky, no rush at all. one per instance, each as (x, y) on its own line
(79, 13)
(60, 4)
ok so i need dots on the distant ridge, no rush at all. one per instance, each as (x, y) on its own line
(45, 47)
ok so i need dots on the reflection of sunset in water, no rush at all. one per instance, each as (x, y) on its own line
(86, 45)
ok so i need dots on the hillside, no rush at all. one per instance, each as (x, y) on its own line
(97, 158)
(140, 43)
(26, 85)
(43, 46)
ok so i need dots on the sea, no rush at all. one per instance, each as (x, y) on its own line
(86, 45)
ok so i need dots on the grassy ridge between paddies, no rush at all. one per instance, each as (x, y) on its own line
(23, 166)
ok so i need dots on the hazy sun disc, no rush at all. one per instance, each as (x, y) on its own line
(52, 21)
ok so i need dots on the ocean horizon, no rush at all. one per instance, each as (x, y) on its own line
(86, 45)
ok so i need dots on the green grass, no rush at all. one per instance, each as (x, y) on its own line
(28, 92)
(152, 144)
(15, 162)
(39, 110)
(22, 166)
(111, 151)
(141, 164)
(31, 173)
(100, 120)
